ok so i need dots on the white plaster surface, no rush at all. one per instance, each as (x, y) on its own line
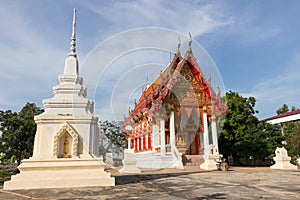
(129, 162)
(109, 162)
(68, 113)
(282, 160)
(59, 173)
(210, 159)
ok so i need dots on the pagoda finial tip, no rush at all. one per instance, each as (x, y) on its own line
(73, 37)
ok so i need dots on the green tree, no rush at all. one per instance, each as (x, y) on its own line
(292, 137)
(291, 132)
(18, 131)
(269, 137)
(236, 138)
(111, 137)
(283, 109)
(243, 136)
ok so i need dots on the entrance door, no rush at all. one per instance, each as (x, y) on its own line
(194, 147)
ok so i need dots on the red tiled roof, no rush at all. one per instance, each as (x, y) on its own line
(295, 112)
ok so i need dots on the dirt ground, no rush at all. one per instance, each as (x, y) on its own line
(189, 183)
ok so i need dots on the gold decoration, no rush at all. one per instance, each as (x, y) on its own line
(66, 148)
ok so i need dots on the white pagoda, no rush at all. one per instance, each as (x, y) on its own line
(66, 142)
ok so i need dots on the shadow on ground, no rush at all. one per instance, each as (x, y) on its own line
(136, 178)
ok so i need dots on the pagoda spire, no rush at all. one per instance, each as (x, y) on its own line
(73, 37)
(71, 62)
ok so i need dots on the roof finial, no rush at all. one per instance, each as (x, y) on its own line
(191, 39)
(219, 92)
(178, 47)
(73, 38)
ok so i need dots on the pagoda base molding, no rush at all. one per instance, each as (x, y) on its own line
(283, 164)
(210, 158)
(282, 160)
(60, 173)
(129, 162)
(210, 162)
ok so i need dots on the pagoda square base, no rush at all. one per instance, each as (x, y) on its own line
(282, 160)
(129, 162)
(281, 163)
(210, 162)
(60, 173)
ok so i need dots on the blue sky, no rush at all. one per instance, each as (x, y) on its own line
(255, 44)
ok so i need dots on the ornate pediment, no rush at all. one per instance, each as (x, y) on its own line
(65, 130)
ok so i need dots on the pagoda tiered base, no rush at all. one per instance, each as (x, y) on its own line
(283, 163)
(210, 162)
(129, 162)
(282, 160)
(60, 173)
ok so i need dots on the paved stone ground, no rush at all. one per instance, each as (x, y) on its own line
(190, 183)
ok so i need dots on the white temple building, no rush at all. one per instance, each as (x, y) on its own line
(66, 142)
(174, 122)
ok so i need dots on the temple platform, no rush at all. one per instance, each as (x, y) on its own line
(153, 160)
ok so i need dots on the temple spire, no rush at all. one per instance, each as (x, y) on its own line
(73, 37)
(190, 42)
(178, 47)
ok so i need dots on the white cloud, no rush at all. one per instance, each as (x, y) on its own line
(123, 62)
(178, 15)
(273, 92)
(29, 63)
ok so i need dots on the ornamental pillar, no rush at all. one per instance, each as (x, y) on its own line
(141, 143)
(172, 130)
(146, 141)
(129, 143)
(149, 143)
(214, 131)
(154, 135)
(135, 145)
(132, 144)
(162, 137)
(205, 133)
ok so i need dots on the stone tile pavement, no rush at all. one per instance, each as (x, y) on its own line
(189, 183)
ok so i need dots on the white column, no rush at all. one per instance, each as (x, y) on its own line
(205, 134)
(214, 131)
(142, 142)
(154, 132)
(162, 138)
(129, 143)
(146, 138)
(138, 144)
(172, 130)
